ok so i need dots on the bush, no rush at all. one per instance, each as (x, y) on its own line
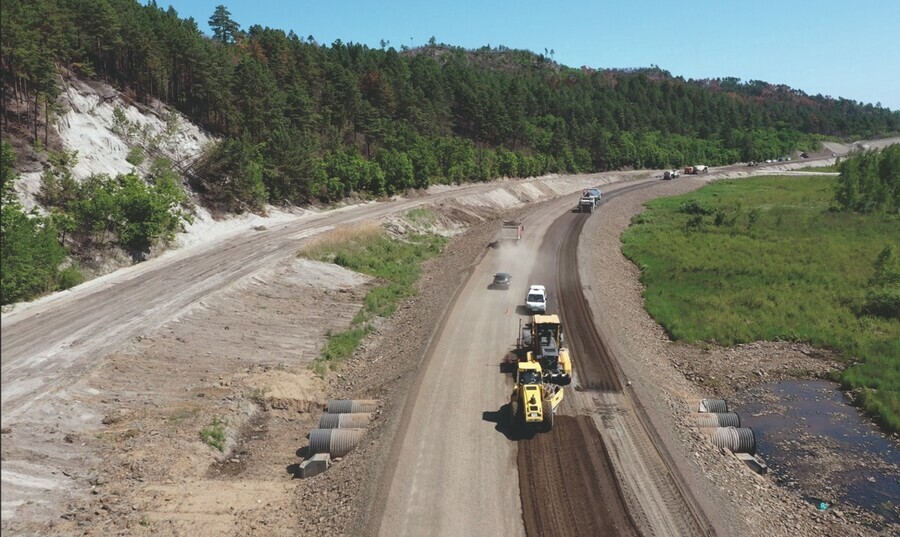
(70, 277)
(883, 303)
(695, 207)
(135, 156)
(214, 434)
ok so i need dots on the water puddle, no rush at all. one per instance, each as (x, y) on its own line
(816, 443)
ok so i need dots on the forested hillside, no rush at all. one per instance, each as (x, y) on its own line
(303, 121)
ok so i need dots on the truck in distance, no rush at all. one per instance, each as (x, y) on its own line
(510, 231)
(590, 198)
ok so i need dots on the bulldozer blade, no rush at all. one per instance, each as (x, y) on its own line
(559, 380)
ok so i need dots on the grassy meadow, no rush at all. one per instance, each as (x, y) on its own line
(766, 259)
(394, 263)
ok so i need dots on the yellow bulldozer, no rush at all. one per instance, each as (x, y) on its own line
(542, 341)
(533, 401)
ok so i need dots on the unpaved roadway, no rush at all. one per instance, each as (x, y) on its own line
(449, 463)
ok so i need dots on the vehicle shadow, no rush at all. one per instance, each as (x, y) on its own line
(508, 364)
(503, 424)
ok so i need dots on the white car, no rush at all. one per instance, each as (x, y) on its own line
(536, 299)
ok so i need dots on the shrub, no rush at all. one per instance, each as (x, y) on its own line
(214, 434)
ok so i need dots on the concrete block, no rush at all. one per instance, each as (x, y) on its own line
(754, 463)
(315, 465)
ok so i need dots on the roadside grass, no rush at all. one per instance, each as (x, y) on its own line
(818, 169)
(396, 265)
(765, 259)
(421, 216)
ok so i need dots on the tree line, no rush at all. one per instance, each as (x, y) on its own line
(869, 181)
(304, 121)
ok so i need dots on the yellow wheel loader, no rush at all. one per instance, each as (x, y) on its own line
(533, 402)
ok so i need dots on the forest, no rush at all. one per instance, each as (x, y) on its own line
(301, 122)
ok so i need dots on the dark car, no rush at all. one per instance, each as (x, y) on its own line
(501, 281)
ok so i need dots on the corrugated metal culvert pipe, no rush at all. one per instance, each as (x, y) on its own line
(736, 439)
(344, 421)
(716, 419)
(351, 406)
(335, 442)
(713, 405)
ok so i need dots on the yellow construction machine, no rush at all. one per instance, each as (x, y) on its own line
(542, 341)
(533, 401)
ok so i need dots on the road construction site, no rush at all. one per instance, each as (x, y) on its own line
(105, 440)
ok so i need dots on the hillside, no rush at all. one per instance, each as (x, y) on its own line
(94, 127)
(302, 121)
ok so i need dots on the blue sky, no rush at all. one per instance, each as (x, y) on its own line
(833, 47)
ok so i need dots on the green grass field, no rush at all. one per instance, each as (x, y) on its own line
(818, 169)
(396, 265)
(765, 259)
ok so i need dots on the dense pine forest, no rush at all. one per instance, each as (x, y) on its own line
(302, 121)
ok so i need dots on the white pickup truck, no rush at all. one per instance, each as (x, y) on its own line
(536, 299)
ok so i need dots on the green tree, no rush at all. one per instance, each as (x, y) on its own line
(30, 253)
(224, 28)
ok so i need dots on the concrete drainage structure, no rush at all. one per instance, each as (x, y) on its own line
(723, 429)
(340, 430)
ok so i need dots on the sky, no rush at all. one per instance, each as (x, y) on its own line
(836, 48)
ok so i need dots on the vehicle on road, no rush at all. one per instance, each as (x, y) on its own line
(510, 231)
(501, 280)
(542, 341)
(671, 174)
(533, 402)
(700, 168)
(590, 198)
(536, 299)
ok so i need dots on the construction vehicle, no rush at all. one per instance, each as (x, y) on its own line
(510, 231)
(533, 401)
(542, 341)
(590, 198)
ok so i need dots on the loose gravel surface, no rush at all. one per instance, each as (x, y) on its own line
(240, 357)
